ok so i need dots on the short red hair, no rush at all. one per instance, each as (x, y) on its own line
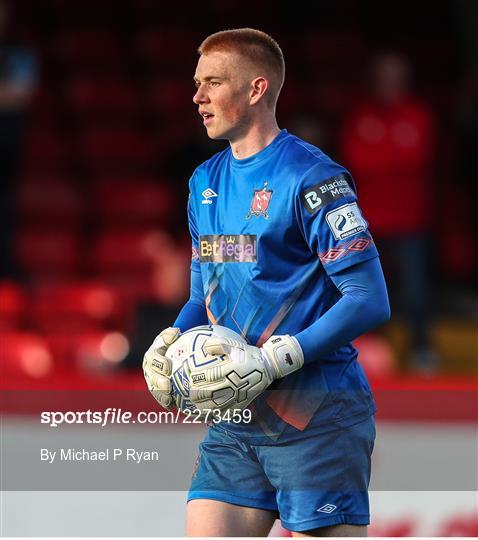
(256, 47)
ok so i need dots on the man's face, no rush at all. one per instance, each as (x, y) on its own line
(390, 78)
(222, 94)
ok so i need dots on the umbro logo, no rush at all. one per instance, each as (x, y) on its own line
(208, 193)
(327, 508)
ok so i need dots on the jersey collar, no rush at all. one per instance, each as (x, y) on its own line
(259, 156)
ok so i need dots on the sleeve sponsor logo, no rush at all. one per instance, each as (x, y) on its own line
(346, 221)
(225, 248)
(318, 196)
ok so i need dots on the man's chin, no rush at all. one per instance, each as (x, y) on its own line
(215, 135)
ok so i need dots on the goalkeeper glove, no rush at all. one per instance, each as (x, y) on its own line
(243, 373)
(157, 368)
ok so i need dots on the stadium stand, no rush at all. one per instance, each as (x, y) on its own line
(112, 107)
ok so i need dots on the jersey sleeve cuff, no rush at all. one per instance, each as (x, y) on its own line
(340, 263)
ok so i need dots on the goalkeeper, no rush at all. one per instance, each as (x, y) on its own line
(282, 254)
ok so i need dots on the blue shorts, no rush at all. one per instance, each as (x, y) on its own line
(315, 481)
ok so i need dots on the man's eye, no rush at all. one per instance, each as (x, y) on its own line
(214, 83)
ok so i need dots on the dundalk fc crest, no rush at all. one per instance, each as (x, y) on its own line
(260, 202)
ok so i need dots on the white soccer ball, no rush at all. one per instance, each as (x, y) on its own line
(188, 351)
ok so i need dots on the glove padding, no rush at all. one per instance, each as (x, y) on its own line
(157, 368)
(243, 373)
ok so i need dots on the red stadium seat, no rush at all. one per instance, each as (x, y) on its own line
(101, 351)
(135, 201)
(76, 306)
(335, 52)
(13, 305)
(100, 97)
(119, 252)
(151, 7)
(430, 55)
(48, 200)
(155, 46)
(458, 256)
(118, 149)
(458, 252)
(133, 262)
(45, 147)
(334, 44)
(78, 8)
(25, 355)
(90, 51)
(47, 254)
(131, 288)
(96, 351)
(45, 111)
(291, 95)
(124, 261)
(332, 98)
(172, 98)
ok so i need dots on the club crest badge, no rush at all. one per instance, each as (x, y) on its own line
(260, 202)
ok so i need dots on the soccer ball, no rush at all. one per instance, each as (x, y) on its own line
(186, 352)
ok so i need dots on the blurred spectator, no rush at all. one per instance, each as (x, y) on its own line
(170, 285)
(17, 82)
(388, 143)
(171, 261)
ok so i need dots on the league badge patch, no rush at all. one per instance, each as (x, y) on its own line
(260, 202)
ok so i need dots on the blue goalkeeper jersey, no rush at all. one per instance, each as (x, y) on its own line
(267, 232)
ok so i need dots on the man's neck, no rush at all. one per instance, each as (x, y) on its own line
(256, 139)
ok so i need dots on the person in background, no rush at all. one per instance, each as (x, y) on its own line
(388, 141)
(170, 261)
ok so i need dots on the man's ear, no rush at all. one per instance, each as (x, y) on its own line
(259, 87)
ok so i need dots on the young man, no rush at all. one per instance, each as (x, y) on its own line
(301, 280)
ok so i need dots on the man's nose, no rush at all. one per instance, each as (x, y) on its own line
(200, 96)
